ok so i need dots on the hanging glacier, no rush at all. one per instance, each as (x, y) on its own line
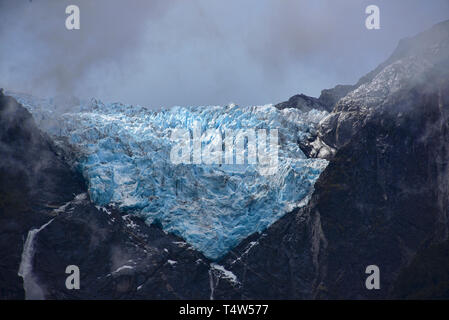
(124, 153)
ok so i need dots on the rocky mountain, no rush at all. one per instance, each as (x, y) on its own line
(33, 179)
(303, 103)
(326, 100)
(382, 200)
(415, 63)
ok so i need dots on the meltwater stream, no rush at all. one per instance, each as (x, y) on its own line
(124, 154)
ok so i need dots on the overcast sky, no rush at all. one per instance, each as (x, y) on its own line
(200, 52)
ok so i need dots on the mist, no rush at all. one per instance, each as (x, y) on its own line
(199, 52)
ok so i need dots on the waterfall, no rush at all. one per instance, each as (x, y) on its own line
(211, 284)
(30, 284)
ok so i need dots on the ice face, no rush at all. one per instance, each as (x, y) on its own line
(125, 157)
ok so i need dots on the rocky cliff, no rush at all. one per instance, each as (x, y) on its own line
(383, 199)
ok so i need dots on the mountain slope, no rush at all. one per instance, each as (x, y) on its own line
(382, 200)
(33, 180)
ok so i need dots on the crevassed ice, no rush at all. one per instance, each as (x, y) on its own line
(125, 156)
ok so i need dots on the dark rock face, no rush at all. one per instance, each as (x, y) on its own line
(383, 199)
(385, 195)
(303, 103)
(326, 101)
(33, 179)
(118, 258)
(329, 97)
(31, 168)
(282, 263)
(427, 275)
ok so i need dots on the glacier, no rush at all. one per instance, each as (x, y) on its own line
(124, 153)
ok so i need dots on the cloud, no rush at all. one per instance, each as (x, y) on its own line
(176, 52)
(44, 56)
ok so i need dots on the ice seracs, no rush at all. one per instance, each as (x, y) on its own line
(124, 154)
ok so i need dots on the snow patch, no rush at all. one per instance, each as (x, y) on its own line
(125, 267)
(226, 274)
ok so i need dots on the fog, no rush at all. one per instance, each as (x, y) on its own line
(199, 52)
